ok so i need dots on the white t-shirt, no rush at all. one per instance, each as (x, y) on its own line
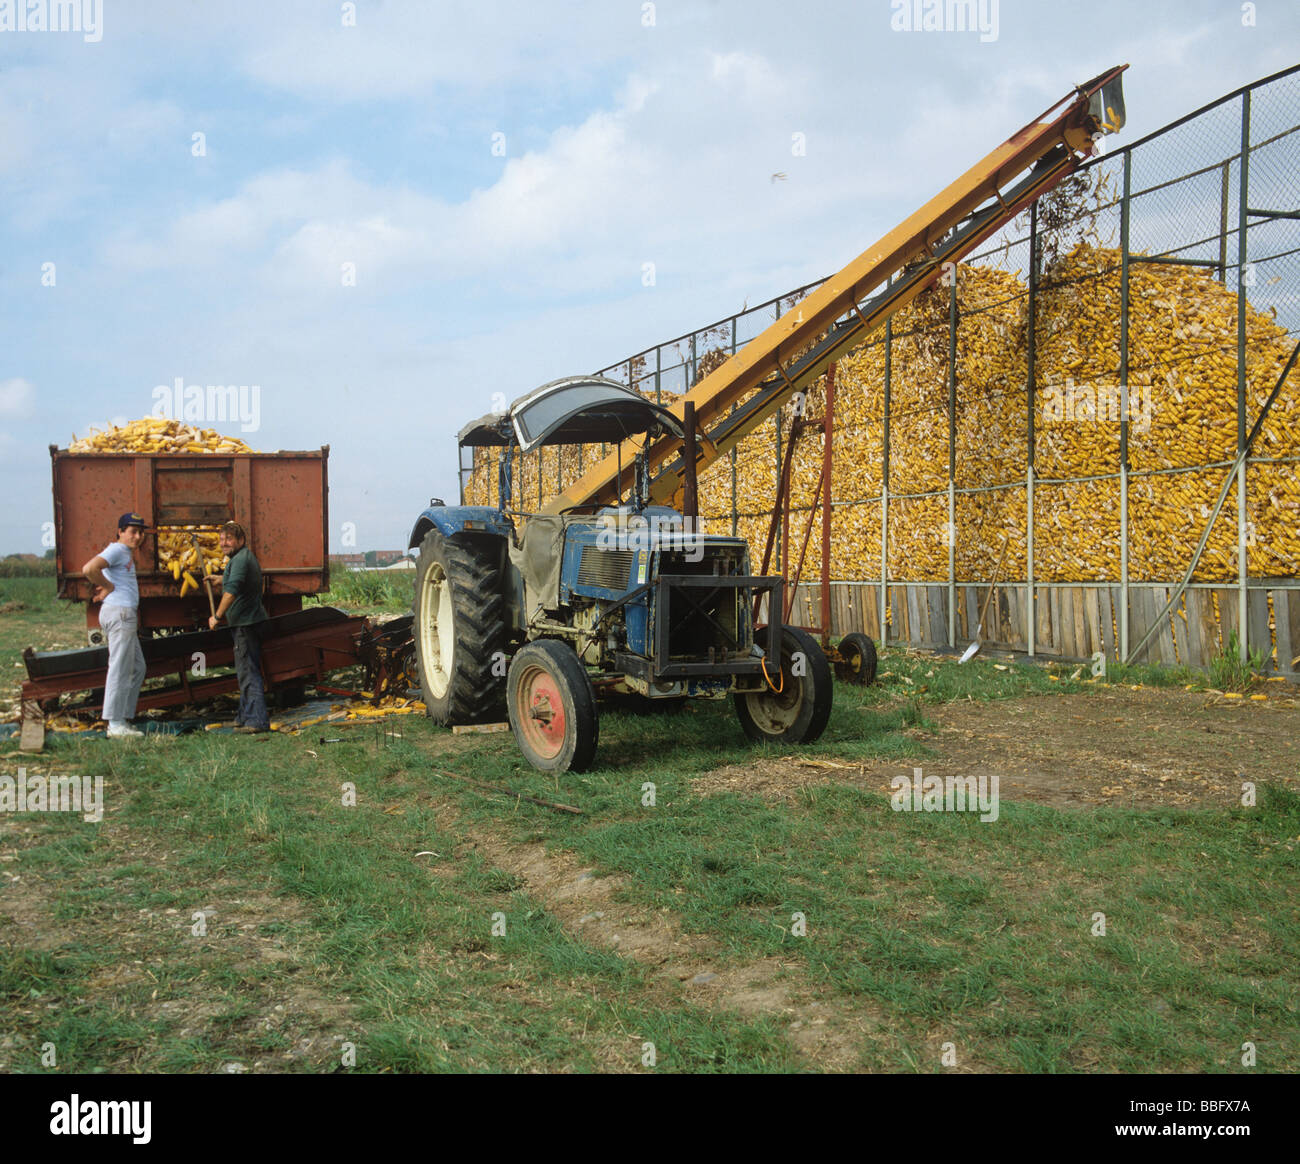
(121, 572)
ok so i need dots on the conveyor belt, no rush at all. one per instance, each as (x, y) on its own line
(790, 354)
(46, 664)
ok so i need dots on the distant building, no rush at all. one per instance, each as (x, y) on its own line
(388, 557)
(348, 561)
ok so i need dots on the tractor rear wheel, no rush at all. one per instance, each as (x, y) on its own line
(857, 660)
(552, 707)
(798, 710)
(460, 630)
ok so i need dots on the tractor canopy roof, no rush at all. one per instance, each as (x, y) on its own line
(575, 410)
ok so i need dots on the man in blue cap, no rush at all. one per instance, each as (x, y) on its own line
(113, 575)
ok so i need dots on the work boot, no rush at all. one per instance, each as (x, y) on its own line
(248, 729)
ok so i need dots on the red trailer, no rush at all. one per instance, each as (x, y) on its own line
(281, 500)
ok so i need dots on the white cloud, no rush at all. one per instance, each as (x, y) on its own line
(647, 179)
(16, 396)
(588, 182)
(249, 224)
(749, 75)
(397, 51)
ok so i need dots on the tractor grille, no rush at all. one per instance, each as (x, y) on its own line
(716, 623)
(608, 569)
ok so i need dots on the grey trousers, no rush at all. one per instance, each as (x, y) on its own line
(248, 666)
(125, 662)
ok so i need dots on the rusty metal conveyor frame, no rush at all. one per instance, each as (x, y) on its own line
(837, 316)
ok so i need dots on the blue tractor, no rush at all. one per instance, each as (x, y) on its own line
(532, 619)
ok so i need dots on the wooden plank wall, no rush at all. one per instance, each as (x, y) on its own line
(1073, 622)
(1288, 617)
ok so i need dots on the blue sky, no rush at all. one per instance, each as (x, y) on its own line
(632, 134)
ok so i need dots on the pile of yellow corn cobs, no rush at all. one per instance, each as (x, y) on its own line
(361, 708)
(189, 563)
(154, 434)
(1183, 416)
(387, 705)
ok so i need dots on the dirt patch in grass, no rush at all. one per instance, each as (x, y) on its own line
(1148, 748)
(257, 1021)
(779, 778)
(827, 1034)
(25, 921)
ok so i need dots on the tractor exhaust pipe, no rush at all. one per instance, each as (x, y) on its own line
(690, 495)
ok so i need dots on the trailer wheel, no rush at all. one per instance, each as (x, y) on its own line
(552, 707)
(460, 630)
(799, 711)
(857, 663)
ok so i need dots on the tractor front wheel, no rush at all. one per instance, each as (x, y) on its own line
(552, 707)
(459, 629)
(795, 706)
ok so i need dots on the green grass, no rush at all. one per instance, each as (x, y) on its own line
(35, 618)
(983, 930)
(1156, 675)
(1229, 672)
(398, 951)
(32, 616)
(941, 679)
(381, 591)
(329, 929)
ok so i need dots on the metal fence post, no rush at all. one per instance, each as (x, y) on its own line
(1224, 193)
(884, 488)
(734, 515)
(1242, 196)
(1123, 416)
(952, 462)
(1031, 616)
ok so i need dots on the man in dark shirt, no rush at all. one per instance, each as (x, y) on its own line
(241, 607)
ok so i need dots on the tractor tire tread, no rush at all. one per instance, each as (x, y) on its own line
(476, 695)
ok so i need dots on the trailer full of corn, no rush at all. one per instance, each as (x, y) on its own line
(281, 500)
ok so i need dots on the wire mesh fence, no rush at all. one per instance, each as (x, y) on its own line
(1072, 403)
